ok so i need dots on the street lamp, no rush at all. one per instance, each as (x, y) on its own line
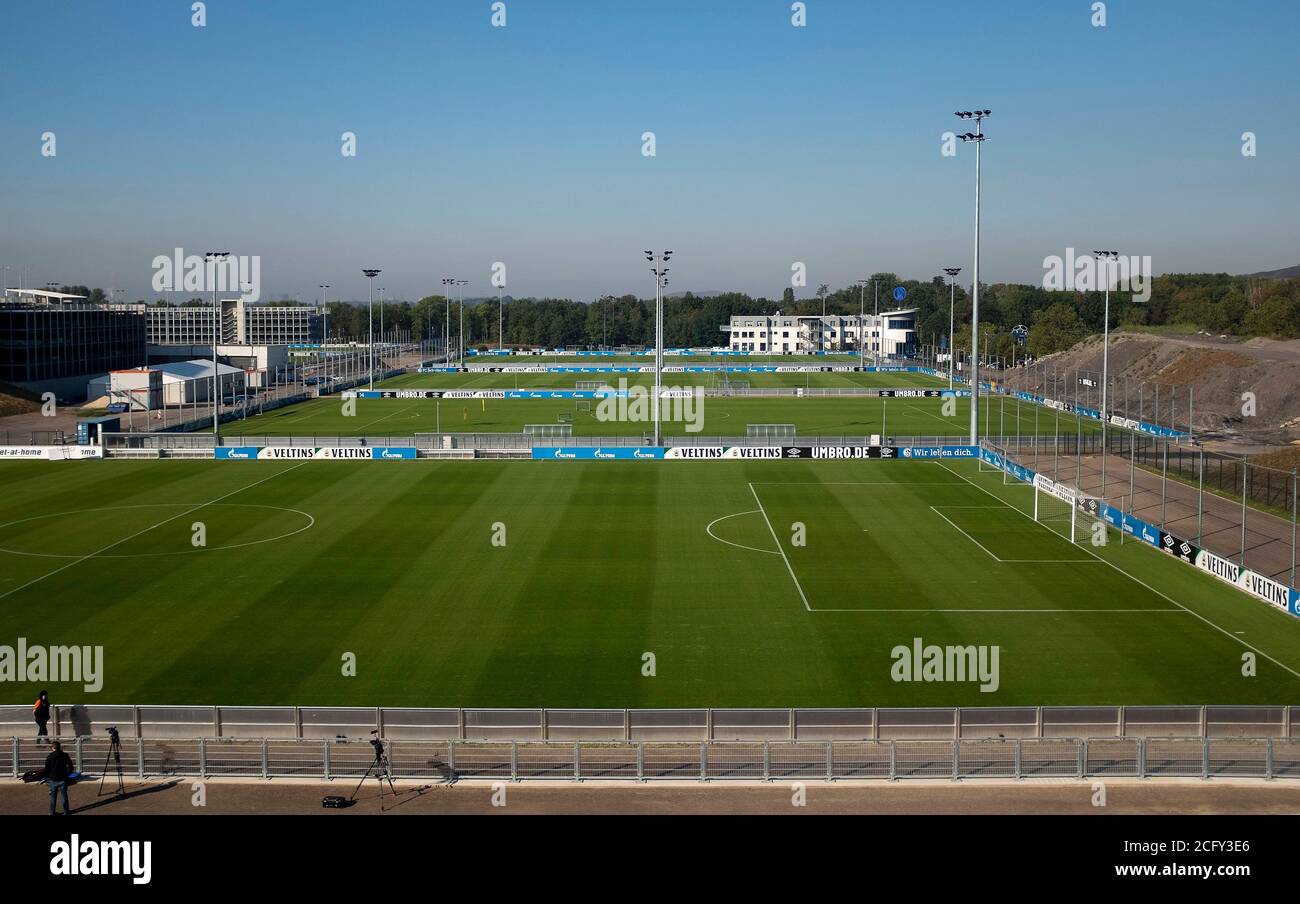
(978, 137)
(952, 306)
(1110, 257)
(661, 280)
(212, 257)
(370, 329)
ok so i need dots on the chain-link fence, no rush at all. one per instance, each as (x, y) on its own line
(1243, 512)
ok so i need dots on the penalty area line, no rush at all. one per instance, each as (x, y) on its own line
(1225, 632)
(784, 557)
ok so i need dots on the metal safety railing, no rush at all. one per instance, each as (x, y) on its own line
(527, 725)
(890, 760)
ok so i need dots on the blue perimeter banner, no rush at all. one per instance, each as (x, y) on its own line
(590, 453)
(939, 452)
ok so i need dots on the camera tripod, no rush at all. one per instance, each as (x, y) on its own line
(379, 766)
(115, 755)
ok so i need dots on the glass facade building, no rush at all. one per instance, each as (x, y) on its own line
(41, 342)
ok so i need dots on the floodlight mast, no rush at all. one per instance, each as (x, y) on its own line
(370, 275)
(978, 138)
(215, 257)
(446, 326)
(460, 330)
(1109, 257)
(862, 332)
(952, 307)
(325, 325)
(660, 272)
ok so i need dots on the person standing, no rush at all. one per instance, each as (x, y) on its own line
(58, 768)
(41, 713)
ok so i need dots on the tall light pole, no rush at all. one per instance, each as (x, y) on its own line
(879, 340)
(501, 317)
(460, 333)
(862, 312)
(1109, 257)
(978, 137)
(661, 280)
(325, 325)
(821, 327)
(447, 281)
(370, 275)
(213, 257)
(952, 307)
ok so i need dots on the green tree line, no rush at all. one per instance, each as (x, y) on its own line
(1213, 302)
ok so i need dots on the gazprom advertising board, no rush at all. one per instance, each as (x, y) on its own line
(597, 453)
(309, 453)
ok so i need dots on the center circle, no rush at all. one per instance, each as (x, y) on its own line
(39, 530)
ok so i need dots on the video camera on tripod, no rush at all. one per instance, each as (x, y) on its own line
(115, 755)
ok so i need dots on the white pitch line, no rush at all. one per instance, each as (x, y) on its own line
(387, 416)
(1223, 631)
(788, 567)
(709, 530)
(966, 535)
(146, 530)
(1166, 610)
(857, 483)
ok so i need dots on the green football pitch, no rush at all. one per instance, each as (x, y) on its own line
(719, 416)
(818, 380)
(750, 583)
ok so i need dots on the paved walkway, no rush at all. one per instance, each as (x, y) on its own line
(1126, 796)
(1265, 546)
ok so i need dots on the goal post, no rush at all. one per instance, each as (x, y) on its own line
(548, 431)
(769, 431)
(1054, 502)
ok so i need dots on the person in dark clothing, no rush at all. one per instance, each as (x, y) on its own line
(41, 713)
(58, 767)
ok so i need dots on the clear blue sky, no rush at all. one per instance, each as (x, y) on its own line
(523, 144)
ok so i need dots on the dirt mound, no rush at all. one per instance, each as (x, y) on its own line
(1210, 375)
(14, 400)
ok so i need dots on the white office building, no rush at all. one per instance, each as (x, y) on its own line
(892, 334)
(241, 324)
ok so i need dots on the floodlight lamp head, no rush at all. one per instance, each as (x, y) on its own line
(371, 274)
